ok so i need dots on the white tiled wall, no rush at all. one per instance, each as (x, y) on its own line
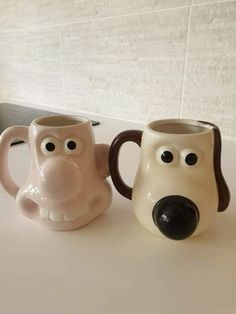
(133, 59)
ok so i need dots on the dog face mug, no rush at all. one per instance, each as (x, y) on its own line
(66, 186)
(179, 186)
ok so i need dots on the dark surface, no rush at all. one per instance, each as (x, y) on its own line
(176, 217)
(19, 115)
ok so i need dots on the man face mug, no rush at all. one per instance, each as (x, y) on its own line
(66, 186)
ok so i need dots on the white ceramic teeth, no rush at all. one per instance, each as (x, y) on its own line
(43, 213)
(59, 217)
(71, 216)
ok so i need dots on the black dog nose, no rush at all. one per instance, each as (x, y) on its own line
(176, 217)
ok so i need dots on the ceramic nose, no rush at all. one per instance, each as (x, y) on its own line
(176, 217)
(59, 179)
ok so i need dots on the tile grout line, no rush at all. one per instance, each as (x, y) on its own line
(185, 62)
(115, 16)
(126, 15)
(96, 19)
(211, 3)
(61, 55)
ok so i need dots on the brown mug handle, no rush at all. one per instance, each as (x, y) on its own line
(119, 140)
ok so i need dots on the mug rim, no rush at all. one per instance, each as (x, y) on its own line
(205, 126)
(47, 121)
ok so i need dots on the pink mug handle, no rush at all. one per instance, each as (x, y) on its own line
(7, 137)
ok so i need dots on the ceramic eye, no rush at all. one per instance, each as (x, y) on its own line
(50, 146)
(72, 145)
(191, 157)
(167, 155)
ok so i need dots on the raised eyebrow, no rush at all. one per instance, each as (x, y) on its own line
(81, 138)
(193, 149)
(169, 147)
(42, 137)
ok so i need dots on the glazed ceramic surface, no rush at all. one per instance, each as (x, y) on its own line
(66, 187)
(179, 186)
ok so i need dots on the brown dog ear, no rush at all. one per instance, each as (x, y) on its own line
(223, 191)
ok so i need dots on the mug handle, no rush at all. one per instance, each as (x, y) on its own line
(119, 140)
(7, 137)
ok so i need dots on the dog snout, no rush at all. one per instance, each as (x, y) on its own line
(177, 217)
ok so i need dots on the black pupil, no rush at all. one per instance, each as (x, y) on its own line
(71, 145)
(50, 147)
(167, 156)
(191, 159)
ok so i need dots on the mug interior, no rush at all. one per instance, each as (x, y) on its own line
(60, 121)
(178, 127)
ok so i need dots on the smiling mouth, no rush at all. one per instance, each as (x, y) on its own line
(56, 216)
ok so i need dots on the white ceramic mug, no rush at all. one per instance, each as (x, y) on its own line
(66, 186)
(179, 186)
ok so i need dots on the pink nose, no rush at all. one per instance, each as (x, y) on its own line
(59, 179)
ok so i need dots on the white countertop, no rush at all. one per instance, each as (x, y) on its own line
(113, 265)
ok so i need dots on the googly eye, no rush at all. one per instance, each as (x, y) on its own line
(50, 146)
(191, 157)
(72, 145)
(167, 155)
